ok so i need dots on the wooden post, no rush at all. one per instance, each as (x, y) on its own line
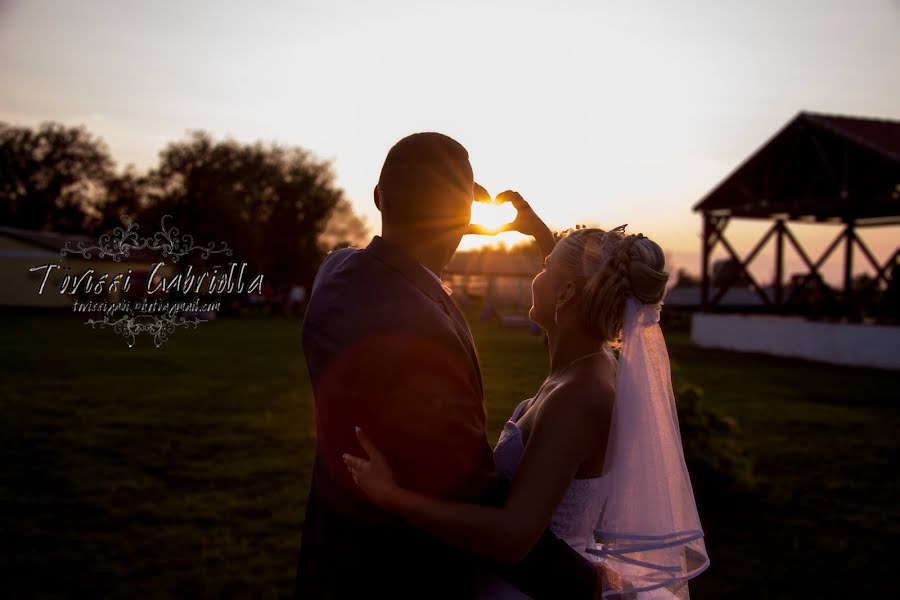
(848, 267)
(704, 263)
(779, 262)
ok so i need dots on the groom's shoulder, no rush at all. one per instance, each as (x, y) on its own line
(344, 267)
(354, 276)
(337, 257)
(348, 268)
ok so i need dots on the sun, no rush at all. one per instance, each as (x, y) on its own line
(492, 216)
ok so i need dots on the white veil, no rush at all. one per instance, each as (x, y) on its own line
(648, 533)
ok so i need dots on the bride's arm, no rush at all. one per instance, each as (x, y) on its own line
(562, 437)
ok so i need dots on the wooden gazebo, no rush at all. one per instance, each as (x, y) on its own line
(817, 169)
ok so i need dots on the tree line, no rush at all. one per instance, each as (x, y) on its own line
(278, 207)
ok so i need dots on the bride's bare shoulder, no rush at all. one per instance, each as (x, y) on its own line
(581, 407)
(586, 395)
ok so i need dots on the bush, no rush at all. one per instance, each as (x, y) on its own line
(717, 462)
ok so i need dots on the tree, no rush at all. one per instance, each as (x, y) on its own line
(126, 194)
(271, 203)
(53, 177)
(344, 228)
(277, 207)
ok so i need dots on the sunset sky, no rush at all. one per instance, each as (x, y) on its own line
(596, 112)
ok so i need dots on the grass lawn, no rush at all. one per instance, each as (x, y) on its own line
(183, 470)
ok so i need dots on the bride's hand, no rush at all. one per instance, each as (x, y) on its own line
(529, 223)
(526, 220)
(373, 476)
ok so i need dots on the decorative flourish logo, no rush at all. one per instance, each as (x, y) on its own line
(166, 241)
(149, 315)
(131, 326)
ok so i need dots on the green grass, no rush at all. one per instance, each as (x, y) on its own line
(824, 442)
(183, 470)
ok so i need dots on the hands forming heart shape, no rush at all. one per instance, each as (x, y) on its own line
(508, 211)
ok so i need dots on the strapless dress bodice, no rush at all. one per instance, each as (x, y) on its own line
(578, 511)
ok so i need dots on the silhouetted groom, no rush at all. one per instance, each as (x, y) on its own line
(389, 351)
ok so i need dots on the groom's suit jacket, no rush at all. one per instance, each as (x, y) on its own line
(388, 351)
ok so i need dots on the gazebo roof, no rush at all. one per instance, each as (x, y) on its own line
(817, 167)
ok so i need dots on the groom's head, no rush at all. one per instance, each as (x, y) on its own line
(424, 194)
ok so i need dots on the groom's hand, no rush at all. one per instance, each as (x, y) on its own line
(373, 476)
(480, 194)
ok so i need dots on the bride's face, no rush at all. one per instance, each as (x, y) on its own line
(545, 292)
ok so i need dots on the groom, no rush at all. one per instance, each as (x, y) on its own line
(389, 351)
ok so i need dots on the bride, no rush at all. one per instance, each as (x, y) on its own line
(596, 453)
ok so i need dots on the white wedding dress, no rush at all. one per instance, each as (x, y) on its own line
(642, 509)
(573, 522)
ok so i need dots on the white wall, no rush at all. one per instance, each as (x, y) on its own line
(836, 343)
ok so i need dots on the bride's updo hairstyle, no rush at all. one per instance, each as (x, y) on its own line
(611, 267)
